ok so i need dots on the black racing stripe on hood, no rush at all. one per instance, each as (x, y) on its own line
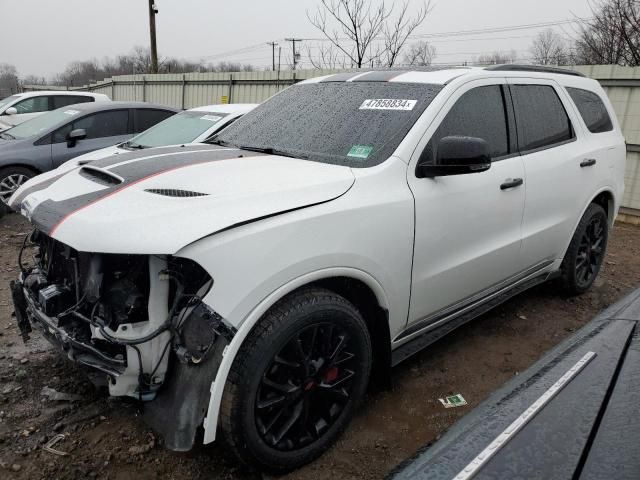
(150, 165)
(49, 214)
(35, 188)
(148, 152)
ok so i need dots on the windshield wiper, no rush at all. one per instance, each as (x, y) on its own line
(7, 136)
(222, 143)
(272, 151)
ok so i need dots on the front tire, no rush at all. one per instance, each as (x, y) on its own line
(296, 381)
(586, 251)
(11, 178)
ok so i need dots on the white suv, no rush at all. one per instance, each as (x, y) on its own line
(255, 285)
(21, 107)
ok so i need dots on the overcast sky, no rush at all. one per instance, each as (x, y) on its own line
(41, 36)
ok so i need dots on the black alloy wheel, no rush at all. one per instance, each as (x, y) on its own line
(586, 251)
(306, 387)
(590, 251)
(296, 381)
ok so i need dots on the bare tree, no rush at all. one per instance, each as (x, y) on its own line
(327, 56)
(497, 58)
(352, 27)
(549, 48)
(612, 35)
(420, 54)
(397, 32)
(8, 79)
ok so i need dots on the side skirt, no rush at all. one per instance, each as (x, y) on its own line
(432, 335)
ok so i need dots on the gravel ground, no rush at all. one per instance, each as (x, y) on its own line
(105, 438)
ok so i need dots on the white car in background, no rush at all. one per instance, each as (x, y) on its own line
(191, 126)
(21, 107)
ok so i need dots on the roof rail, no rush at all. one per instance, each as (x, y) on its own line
(512, 67)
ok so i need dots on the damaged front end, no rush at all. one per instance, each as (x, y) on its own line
(139, 319)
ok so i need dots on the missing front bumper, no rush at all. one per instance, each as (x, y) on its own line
(28, 315)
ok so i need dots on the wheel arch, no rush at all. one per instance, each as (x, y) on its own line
(21, 164)
(357, 286)
(607, 200)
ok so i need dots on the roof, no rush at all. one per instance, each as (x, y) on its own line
(443, 76)
(101, 106)
(38, 93)
(225, 108)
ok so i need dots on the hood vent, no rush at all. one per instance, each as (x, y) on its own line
(99, 175)
(177, 193)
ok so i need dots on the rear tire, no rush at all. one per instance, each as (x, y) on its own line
(296, 381)
(11, 178)
(586, 251)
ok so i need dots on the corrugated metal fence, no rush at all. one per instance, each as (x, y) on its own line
(622, 85)
(189, 90)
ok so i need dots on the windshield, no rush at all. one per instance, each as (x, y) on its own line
(42, 124)
(6, 101)
(184, 127)
(358, 124)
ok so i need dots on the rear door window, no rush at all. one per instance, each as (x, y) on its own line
(541, 119)
(145, 118)
(104, 124)
(60, 101)
(33, 105)
(481, 113)
(592, 110)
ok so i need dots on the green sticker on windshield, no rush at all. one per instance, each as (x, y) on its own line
(360, 151)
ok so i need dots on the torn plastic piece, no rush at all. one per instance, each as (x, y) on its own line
(52, 394)
(48, 447)
(20, 307)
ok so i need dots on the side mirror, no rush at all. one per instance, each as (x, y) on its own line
(74, 136)
(11, 111)
(457, 156)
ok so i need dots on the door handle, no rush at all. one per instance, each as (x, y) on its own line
(588, 162)
(511, 183)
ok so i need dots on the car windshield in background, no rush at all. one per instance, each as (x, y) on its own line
(42, 123)
(184, 127)
(8, 100)
(358, 124)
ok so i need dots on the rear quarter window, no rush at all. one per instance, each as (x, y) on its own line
(592, 110)
(541, 119)
(60, 101)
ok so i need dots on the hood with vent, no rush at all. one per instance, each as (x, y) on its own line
(159, 202)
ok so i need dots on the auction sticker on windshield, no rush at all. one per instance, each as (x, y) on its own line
(360, 151)
(211, 118)
(388, 104)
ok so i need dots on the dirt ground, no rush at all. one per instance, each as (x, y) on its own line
(105, 438)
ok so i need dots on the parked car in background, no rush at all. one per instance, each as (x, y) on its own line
(21, 107)
(190, 126)
(255, 284)
(43, 143)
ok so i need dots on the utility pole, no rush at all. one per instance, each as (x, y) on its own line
(153, 11)
(296, 55)
(273, 54)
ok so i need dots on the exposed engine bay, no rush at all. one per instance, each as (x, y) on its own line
(128, 316)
